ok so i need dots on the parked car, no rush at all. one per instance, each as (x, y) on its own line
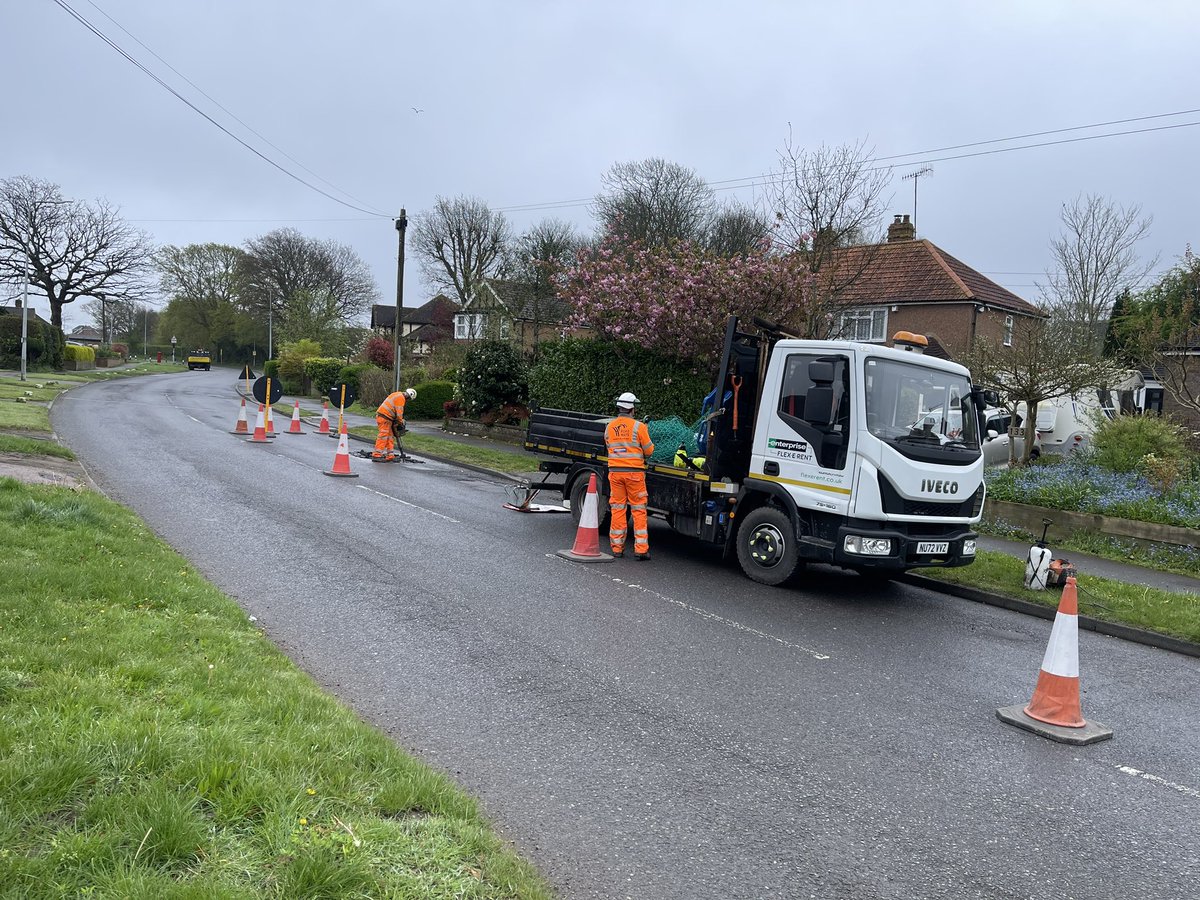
(995, 438)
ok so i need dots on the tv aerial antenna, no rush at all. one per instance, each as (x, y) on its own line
(916, 177)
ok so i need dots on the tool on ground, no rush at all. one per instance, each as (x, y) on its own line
(1054, 711)
(521, 494)
(1037, 564)
(587, 536)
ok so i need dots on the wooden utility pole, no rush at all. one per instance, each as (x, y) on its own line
(401, 225)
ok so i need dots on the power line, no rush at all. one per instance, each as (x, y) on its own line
(224, 109)
(96, 31)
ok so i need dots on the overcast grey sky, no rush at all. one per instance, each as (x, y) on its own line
(528, 103)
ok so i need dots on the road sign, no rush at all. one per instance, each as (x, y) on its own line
(341, 395)
(260, 390)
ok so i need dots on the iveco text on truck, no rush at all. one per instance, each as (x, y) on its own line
(859, 455)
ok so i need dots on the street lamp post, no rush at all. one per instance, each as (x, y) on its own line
(25, 325)
(401, 225)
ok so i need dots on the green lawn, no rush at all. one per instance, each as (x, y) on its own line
(23, 416)
(155, 743)
(500, 460)
(1100, 598)
(11, 443)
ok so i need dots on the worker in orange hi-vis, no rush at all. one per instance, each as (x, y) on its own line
(628, 444)
(390, 419)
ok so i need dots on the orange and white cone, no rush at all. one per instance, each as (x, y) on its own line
(243, 425)
(324, 429)
(294, 428)
(587, 536)
(270, 423)
(1054, 711)
(341, 459)
(260, 429)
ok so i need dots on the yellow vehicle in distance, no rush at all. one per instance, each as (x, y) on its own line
(199, 359)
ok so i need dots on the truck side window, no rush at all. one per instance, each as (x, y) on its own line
(829, 442)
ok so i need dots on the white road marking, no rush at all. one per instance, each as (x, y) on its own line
(703, 613)
(406, 503)
(1183, 789)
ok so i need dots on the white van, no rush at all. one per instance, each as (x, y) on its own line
(1066, 424)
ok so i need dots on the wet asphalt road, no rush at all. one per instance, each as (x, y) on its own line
(670, 729)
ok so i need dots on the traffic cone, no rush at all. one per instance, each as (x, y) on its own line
(587, 537)
(294, 428)
(1054, 711)
(341, 459)
(324, 429)
(270, 423)
(260, 429)
(243, 426)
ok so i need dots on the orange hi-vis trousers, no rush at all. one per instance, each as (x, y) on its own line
(385, 443)
(628, 486)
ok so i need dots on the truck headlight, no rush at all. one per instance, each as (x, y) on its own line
(968, 547)
(868, 546)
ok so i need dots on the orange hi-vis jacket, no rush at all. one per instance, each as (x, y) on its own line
(393, 407)
(628, 443)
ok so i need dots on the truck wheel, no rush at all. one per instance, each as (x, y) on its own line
(767, 547)
(579, 492)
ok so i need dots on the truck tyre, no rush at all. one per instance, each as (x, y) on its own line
(579, 491)
(767, 546)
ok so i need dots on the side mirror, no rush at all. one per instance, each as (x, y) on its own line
(992, 434)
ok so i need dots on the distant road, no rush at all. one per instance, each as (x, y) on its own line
(667, 729)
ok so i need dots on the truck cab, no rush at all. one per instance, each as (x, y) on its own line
(199, 359)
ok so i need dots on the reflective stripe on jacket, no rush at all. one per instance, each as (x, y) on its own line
(393, 407)
(627, 442)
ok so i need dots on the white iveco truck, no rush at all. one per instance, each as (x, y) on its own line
(859, 455)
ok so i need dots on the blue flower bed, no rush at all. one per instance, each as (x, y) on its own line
(1081, 486)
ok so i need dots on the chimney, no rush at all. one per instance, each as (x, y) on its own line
(901, 230)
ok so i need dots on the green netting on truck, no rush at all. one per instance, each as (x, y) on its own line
(668, 434)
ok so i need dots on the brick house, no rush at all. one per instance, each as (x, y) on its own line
(509, 309)
(908, 284)
(423, 327)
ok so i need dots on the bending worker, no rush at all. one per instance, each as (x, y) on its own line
(390, 419)
(628, 445)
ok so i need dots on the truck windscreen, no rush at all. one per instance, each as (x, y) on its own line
(907, 403)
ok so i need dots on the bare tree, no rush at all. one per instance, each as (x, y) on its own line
(1039, 366)
(459, 243)
(1095, 260)
(826, 199)
(534, 266)
(307, 286)
(68, 248)
(654, 202)
(735, 229)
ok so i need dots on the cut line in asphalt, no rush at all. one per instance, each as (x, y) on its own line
(694, 610)
(1138, 773)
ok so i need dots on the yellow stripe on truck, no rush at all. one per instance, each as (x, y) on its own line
(804, 484)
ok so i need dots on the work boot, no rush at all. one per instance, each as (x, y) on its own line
(642, 557)
(617, 554)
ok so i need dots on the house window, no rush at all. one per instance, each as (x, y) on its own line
(868, 325)
(468, 326)
(1008, 331)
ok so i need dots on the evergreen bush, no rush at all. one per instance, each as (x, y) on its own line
(292, 359)
(323, 372)
(586, 375)
(271, 369)
(76, 353)
(493, 375)
(349, 375)
(1120, 444)
(432, 397)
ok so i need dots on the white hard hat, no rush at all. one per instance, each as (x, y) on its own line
(627, 400)
(411, 394)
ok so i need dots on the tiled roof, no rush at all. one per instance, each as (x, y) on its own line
(16, 311)
(440, 307)
(921, 272)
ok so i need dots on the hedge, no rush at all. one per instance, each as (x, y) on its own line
(351, 375)
(587, 375)
(45, 346)
(323, 372)
(76, 353)
(430, 402)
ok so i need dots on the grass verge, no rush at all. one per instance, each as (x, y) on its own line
(11, 443)
(1113, 601)
(155, 743)
(444, 448)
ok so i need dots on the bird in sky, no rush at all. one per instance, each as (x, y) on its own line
(414, 109)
